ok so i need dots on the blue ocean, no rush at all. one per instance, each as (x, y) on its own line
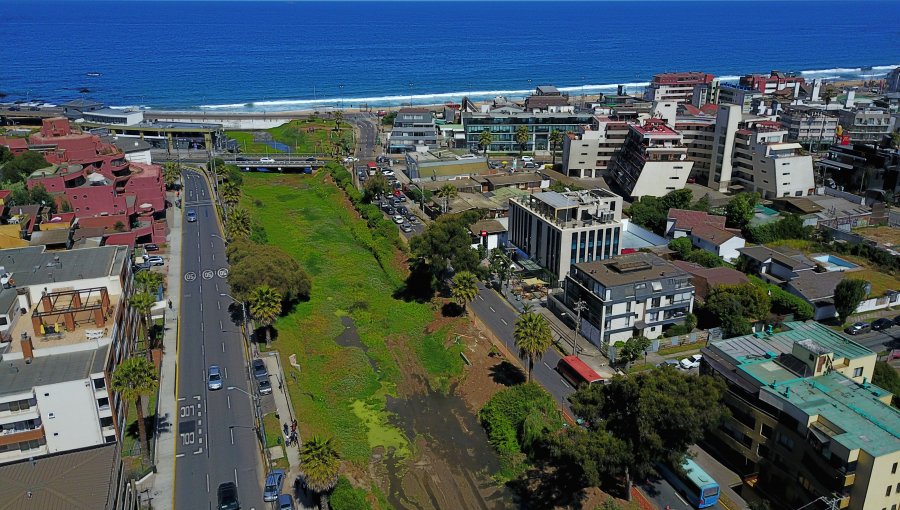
(267, 56)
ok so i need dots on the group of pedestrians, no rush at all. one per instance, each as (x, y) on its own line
(290, 434)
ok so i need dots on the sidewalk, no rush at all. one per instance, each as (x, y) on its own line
(162, 492)
(588, 352)
(285, 409)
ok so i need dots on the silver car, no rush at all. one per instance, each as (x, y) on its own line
(214, 378)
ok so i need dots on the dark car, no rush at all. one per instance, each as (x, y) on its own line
(857, 328)
(151, 247)
(403, 210)
(285, 502)
(265, 387)
(880, 324)
(259, 369)
(390, 211)
(228, 499)
(897, 320)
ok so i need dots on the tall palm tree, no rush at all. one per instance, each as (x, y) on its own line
(555, 138)
(319, 466)
(133, 379)
(522, 138)
(265, 306)
(338, 119)
(464, 288)
(532, 335)
(239, 225)
(148, 282)
(143, 303)
(485, 139)
(447, 192)
(230, 193)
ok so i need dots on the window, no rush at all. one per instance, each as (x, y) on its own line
(765, 430)
(894, 469)
(857, 372)
(888, 491)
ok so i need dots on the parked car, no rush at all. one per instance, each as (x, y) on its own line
(387, 173)
(857, 328)
(350, 159)
(406, 227)
(527, 159)
(285, 502)
(155, 260)
(691, 362)
(390, 211)
(402, 210)
(151, 247)
(266, 160)
(264, 386)
(214, 378)
(228, 499)
(879, 324)
(273, 485)
(669, 363)
(398, 219)
(402, 197)
(310, 159)
(413, 219)
(191, 215)
(259, 370)
(897, 320)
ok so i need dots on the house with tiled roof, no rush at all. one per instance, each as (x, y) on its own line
(705, 278)
(706, 232)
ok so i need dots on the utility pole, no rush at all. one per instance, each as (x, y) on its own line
(580, 306)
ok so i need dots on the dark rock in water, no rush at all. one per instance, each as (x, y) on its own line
(84, 90)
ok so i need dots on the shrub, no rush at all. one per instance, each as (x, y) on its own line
(348, 497)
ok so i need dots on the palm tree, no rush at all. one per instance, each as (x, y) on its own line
(532, 335)
(148, 282)
(338, 118)
(133, 379)
(239, 224)
(231, 194)
(319, 466)
(265, 306)
(465, 288)
(485, 139)
(143, 303)
(555, 138)
(522, 138)
(447, 191)
(171, 173)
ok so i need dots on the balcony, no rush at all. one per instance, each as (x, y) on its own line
(8, 437)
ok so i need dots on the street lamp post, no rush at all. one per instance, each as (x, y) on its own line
(260, 428)
(579, 306)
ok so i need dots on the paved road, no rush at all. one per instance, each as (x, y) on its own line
(500, 318)
(208, 452)
(880, 340)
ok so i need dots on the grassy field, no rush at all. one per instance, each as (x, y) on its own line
(302, 136)
(886, 235)
(341, 391)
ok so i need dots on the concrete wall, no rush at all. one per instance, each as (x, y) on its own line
(69, 414)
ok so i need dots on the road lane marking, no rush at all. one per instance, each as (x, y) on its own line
(492, 308)
(207, 274)
(198, 451)
(201, 324)
(179, 455)
(228, 398)
(225, 371)
(214, 256)
(207, 483)
(546, 365)
(235, 476)
(218, 305)
(190, 276)
(201, 309)
(231, 431)
(217, 287)
(223, 346)
(504, 322)
(223, 329)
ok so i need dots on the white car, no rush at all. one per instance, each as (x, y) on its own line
(691, 362)
(266, 160)
(350, 159)
(387, 173)
(527, 159)
(398, 219)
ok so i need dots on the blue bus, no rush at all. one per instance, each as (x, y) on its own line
(694, 484)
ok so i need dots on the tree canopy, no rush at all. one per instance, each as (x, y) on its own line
(633, 349)
(447, 243)
(651, 212)
(739, 210)
(637, 421)
(254, 265)
(20, 167)
(847, 296)
(737, 306)
(533, 337)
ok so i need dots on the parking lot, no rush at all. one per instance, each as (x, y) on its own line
(395, 205)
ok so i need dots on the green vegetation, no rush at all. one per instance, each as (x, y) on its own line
(847, 296)
(319, 466)
(442, 363)
(788, 227)
(264, 305)
(446, 242)
(274, 434)
(254, 265)
(533, 338)
(313, 135)
(684, 250)
(690, 322)
(18, 168)
(636, 421)
(886, 377)
(651, 212)
(516, 419)
(633, 349)
(134, 379)
(341, 391)
(678, 349)
(464, 288)
(21, 195)
(739, 210)
(348, 497)
(736, 307)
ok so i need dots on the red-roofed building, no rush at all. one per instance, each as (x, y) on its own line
(706, 232)
(705, 278)
(4, 197)
(679, 222)
(770, 84)
(678, 87)
(653, 161)
(15, 145)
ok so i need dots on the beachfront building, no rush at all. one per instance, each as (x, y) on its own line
(556, 230)
(547, 99)
(65, 327)
(588, 152)
(774, 82)
(812, 127)
(740, 95)
(653, 160)
(678, 87)
(414, 130)
(698, 130)
(626, 296)
(864, 124)
(805, 420)
(503, 124)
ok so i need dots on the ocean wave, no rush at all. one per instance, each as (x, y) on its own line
(851, 71)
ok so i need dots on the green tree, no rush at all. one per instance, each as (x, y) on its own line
(895, 139)
(320, 466)
(533, 337)
(338, 117)
(847, 296)
(633, 349)
(148, 282)
(682, 247)
(500, 265)
(253, 265)
(485, 139)
(447, 243)
(739, 210)
(651, 212)
(264, 304)
(6, 155)
(171, 173)
(232, 174)
(886, 377)
(447, 192)
(239, 224)
(638, 421)
(522, 138)
(230, 193)
(736, 306)
(464, 288)
(143, 303)
(40, 195)
(134, 379)
(375, 185)
(705, 258)
(20, 167)
(555, 138)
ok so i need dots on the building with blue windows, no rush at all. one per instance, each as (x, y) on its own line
(503, 124)
(556, 230)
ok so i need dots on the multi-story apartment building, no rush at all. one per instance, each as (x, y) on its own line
(847, 166)
(556, 230)
(629, 295)
(413, 129)
(810, 126)
(731, 93)
(805, 420)
(653, 160)
(699, 132)
(864, 124)
(678, 87)
(772, 83)
(503, 125)
(751, 154)
(589, 152)
(66, 326)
